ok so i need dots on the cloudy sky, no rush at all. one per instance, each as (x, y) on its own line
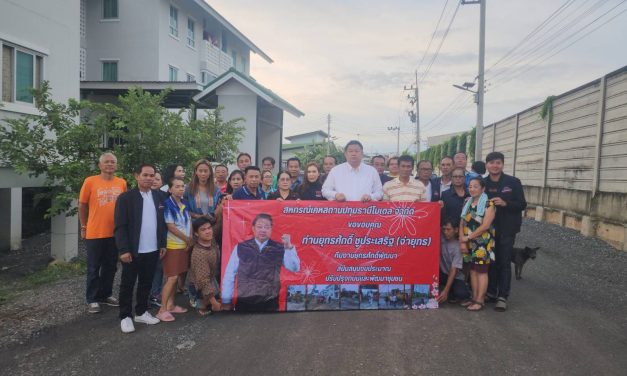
(352, 58)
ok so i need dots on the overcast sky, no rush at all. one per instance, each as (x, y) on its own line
(352, 58)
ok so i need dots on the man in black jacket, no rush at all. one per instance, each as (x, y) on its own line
(140, 235)
(507, 194)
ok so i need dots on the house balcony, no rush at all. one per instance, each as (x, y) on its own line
(214, 60)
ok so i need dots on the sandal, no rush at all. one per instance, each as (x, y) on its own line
(165, 316)
(204, 312)
(178, 309)
(466, 302)
(481, 305)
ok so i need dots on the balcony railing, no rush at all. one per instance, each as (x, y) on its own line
(215, 60)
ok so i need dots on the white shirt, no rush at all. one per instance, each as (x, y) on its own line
(445, 187)
(428, 191)
(291, 262)
(353, 182)
(148, 232)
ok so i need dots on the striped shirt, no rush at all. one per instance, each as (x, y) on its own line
(395, 190)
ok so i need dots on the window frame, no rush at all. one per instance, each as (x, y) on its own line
(191, 40)
(175, 69)
(38, 73)
(117, 69)
(174, 29)
(117, 11)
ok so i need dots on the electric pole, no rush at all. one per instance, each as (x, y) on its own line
(328, 134)
(398, 137)
(414, 117)
(480, 77)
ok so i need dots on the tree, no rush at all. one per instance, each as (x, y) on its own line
(444, 149)
(463, 140)
(317, 152)
(471, 145)
(452, 145)
(64, 147)
(54, 146)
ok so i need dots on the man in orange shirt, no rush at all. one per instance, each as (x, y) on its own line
(95, 210)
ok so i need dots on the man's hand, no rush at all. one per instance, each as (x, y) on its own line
(162, 252)
(340, 197)
(499, 202)
(126, 258)
(287, 243)
(443, 296)
(366, 198)
(228, 197)
(441, 203)
(463, 247)
(83, 232)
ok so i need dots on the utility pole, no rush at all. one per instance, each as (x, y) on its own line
(328, 134)
(480, 77)
(398, 137)
(414, 117)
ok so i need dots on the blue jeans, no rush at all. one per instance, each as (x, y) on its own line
(500, 272)
(102, 263)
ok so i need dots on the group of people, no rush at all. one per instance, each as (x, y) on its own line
(166, 232)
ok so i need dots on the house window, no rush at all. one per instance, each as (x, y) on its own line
(244, 63)
(224, 44)
(234, 56)
(173, 73)
(21, 72)
(109, 9)
(204, 77)
(109, 70)
(191, 78)
(174, 21)
(190, 33)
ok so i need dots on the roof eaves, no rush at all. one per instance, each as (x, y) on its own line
(233, 30)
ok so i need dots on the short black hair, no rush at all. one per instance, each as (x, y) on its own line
(377, 156)
(251, 168)
(221, 165)
(242, 155)
(138, 169)
(446, 157)
(406, 158)
(292, 160)
(272, 161)
(461, 152)
(451, 221)
(425, 161)
(171, 182)
(479, 179)
(478, 167)
(330, 156)
(495, 155)
(354, 142)
(391, 159)
(200, 221)
(262, 216)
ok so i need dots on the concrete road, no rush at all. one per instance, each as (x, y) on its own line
(567, 316)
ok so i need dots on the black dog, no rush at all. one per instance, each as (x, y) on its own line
(520, 257)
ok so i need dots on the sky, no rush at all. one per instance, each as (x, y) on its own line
(352, 59)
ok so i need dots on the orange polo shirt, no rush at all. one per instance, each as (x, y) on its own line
(100, 195)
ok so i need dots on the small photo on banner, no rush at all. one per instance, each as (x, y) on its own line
(296, 298)
(369, 295)
(394, 296)
(349, 297)
(323, 297)
(420, 296)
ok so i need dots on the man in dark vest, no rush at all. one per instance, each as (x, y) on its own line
(257, 264)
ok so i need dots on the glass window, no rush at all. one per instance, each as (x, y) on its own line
(109, 70)
(7, 74)
(173, 74)
(174, 21)
(110, 9)
(190, 33)
(24, 77)
(191, 78)
(203, 77)
(234, 56)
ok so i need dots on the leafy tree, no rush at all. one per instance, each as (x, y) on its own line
(317, 152)
(452, 145)
(54, 146)
(463, 140)
(471, 145)
(217, 140)
(444, 149)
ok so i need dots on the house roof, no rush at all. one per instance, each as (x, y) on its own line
(227, 25)
(252, 85)
(321, 133)
(301, 145)
(180, 96)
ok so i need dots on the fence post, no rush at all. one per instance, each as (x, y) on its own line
(493, 136)
(547, 140)
(515, 151)
(599, 136)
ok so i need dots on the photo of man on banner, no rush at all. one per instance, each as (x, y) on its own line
(256, 264)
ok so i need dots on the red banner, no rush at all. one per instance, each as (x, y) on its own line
(378, 255)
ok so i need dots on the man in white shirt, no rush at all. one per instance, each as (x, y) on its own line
(353, 180)
(257, 265)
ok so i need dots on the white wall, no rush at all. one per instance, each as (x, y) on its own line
(131, 39)
(238, 101)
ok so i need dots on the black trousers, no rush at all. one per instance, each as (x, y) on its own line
(500, 272)
(102, 261)
(142, 270)
(270, 305)
(459, 288)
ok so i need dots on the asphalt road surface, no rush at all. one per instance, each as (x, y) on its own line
(567, 316)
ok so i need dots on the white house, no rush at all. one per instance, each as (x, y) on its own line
(40, 41)
(298, 142)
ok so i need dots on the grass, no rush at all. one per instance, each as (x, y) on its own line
(52, 273)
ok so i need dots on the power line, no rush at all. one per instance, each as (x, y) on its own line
(432, 36)
(448, 28)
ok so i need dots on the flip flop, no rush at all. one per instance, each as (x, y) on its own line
(481, 305)
(165, 316)
(178, 309)
(466, 302)
(204, 312)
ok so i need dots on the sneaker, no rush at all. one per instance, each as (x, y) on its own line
(127, 325)
(93, 308)
(111, 301)
(501, 305)
(155, 301)
(147, 318)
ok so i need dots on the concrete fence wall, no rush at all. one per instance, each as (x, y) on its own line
(573, 165)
